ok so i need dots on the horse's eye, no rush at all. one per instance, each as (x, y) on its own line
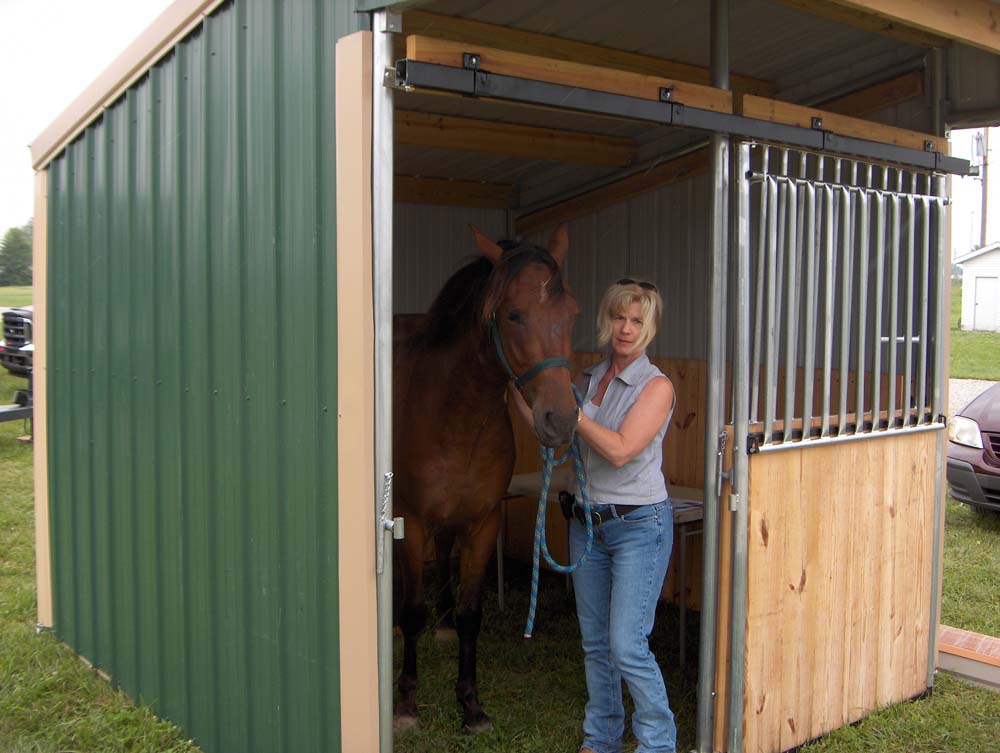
(515, 317)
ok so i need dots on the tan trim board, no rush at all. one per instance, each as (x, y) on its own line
(974, 22)
(355, 397)
(39, 427)
(169, 28)
(568, 73)
(531, 142)
(531, 43)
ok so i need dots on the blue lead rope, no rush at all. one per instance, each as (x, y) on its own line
(548, 463)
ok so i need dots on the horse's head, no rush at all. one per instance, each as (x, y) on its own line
(530, 312)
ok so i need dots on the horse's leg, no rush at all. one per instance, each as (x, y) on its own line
(477, 548)
(445, 602)
(412, 619)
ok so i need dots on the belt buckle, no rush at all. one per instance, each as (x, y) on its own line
(581, 515)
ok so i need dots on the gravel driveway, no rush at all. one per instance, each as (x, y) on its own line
(961, 392)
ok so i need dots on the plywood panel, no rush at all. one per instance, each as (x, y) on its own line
(838, 587)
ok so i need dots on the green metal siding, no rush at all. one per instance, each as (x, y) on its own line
(192, 382)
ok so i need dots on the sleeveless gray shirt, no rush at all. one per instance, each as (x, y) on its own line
(640, 480)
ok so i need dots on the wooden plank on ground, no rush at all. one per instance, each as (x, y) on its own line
(531, 43)
(842, 125)
(539, 68)
(550, 144)
(411, 189)
(671, 171)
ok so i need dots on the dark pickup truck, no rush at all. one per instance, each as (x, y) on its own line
(15, 348)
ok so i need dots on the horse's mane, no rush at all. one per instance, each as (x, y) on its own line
(471, 296)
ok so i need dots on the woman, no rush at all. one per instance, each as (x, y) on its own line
(627, 405)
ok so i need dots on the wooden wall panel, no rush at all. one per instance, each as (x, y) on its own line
(839, 585)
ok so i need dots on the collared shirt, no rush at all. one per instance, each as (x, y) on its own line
(640, 481)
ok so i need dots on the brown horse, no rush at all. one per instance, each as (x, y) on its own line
(505, 314)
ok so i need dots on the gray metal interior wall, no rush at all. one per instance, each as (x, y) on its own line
(429, 244)
(660, 236)
(192, 382)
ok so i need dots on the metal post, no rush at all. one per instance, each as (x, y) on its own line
(911, 230)
(829, 272)
(893, 344)
(382, 163)
(809, 362)
(791, 308)
(927, 247)
(864, 236)
(719, 150)
(941, 321)
(740, 502)
(758, 316)
(770, 325)
(847, 278)
(877, 319)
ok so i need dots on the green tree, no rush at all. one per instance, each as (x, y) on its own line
(15, 256)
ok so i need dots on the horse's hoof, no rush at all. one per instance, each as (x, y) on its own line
(402, 723)
(478, 726)
(445, 635)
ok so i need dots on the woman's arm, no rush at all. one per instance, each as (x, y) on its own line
(516, 399)
(640, 425)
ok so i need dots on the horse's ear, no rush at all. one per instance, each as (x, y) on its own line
(486, 247)
(559, 244)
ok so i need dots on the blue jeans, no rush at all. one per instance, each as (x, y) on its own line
(616, 594)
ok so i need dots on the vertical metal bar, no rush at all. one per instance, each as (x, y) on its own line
(942, 269)
(738, 607)
(864, 238)
(719, 150)
(809, 303)
(758, 316)
(382, 172)
(770, 325)
(791, 308)
(895, 221)
(926, 248)
(829, 271)
(847, 278)
(911, 229)
(877, 319)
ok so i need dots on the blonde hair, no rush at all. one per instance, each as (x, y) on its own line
(617, 300)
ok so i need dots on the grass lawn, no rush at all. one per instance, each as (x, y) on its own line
(974, 355)
(14, 296)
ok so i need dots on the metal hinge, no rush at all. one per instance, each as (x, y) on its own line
(720, 475)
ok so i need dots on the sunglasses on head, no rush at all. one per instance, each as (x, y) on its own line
(643, 285)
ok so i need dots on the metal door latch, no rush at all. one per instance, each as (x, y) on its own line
(386, 524)
(719, 474)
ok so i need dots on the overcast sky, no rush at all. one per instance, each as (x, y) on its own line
(50, 51)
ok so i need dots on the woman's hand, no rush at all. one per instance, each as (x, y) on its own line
(640, 425)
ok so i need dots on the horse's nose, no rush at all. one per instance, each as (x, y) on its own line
(556, 429)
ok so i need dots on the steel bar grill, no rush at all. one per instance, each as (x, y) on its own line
(844, 289)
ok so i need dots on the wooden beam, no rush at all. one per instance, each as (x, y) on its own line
(614, 193)
(973, 22)
(836, 11)
(785, 112)
(539, 68)
(410, 189)
(428, 129)
(531, 43)
(880, 96)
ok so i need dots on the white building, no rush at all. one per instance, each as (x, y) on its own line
(981, 288)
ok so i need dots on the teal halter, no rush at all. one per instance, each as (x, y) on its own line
(520, 381)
